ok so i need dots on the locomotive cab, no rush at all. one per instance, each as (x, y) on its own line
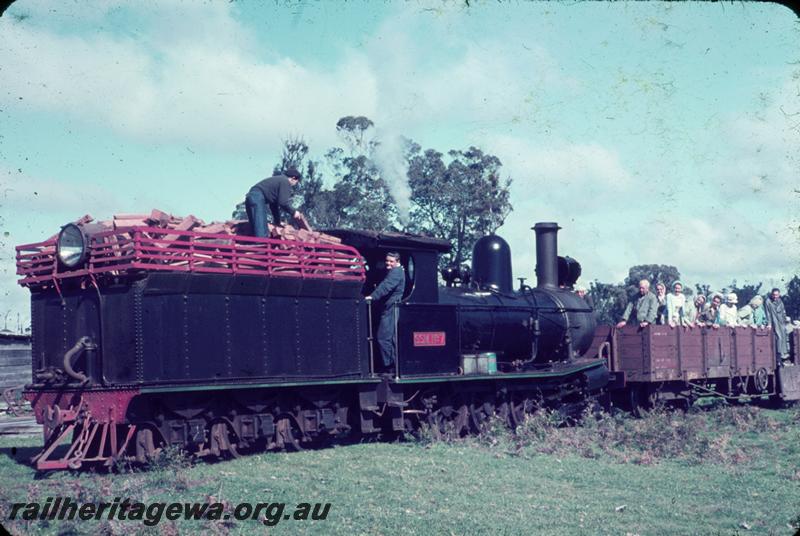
(455, 330)
(419, 256)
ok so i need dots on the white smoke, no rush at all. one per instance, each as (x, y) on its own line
(389, 156)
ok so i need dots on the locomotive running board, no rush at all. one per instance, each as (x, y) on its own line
(560, 371)
(789, 382)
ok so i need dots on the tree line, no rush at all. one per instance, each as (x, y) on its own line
(458, 196)
(611, 299)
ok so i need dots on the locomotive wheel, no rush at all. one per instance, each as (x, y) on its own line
(461, 420)
(519, 411)
(480, 415)
(504, 412)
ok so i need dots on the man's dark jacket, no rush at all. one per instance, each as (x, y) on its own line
(392, 287)
(391, 291)
(277, 191)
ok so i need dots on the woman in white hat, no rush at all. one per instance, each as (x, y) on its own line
(728, 314)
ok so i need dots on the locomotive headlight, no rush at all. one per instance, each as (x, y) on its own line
(71, 246)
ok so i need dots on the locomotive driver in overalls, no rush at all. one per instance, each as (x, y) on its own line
(391, 292)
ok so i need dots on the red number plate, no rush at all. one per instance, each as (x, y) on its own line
(429, 338)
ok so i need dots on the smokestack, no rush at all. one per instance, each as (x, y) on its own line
(546, 254)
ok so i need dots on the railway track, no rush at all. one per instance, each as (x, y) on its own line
(18, 426)
(20, 421)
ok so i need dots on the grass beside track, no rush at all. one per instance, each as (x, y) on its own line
(730, 470)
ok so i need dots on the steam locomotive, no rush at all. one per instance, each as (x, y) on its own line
(145, 337)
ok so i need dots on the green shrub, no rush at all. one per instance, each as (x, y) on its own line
(694, 437)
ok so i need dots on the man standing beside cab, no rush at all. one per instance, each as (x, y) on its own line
(390, 291)
(274, 192)
(643, 310)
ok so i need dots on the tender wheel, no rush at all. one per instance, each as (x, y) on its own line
(411, 425)
(284, 434)
(145, 446)
(220, 440)
(436, 424)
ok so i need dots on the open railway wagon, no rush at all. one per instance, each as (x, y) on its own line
(681, 364)
(145, 337)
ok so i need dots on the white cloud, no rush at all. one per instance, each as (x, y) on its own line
(608, 227)
(90, 12)
(582, 186)
(159, 87)
(474, 81)
(717, 250)
(761, 148)
(193, 74)
(21, 193)
(560, 177)
(572, 165)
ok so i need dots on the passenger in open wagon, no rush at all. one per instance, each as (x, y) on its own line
(753, 314)
(661, 297)
(643, 311)
(728, 313)
(680, 309)
(709, 317)
(700, 307)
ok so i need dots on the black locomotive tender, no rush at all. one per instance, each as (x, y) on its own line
(220, 343)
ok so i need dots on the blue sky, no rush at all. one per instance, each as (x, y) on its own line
(652, 132)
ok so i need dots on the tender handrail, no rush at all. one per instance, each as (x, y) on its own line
(130, 249)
